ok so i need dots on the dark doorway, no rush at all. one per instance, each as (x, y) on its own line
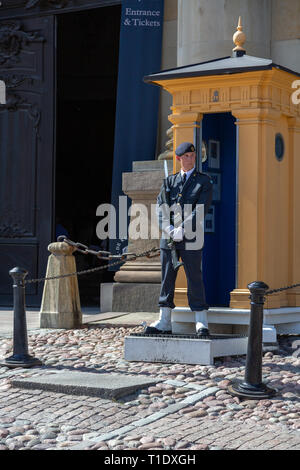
(87, 71)
(219, 255)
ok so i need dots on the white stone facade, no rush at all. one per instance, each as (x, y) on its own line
(200, 30)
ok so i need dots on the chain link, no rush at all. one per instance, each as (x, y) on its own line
(103, 255)
(274, 291)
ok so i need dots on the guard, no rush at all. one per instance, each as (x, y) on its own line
(187, 189)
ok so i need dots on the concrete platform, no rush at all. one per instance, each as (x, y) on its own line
(183, 350)
(235, 321)
(86, 383)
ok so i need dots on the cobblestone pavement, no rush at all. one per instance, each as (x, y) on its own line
(190, 409)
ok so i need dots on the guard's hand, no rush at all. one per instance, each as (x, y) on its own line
(177, 234)
(169, 231)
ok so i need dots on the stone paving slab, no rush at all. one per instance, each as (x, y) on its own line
(87, 383)
(90, 315)
(126, 320)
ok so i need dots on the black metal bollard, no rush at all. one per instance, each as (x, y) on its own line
(252, 386)
(20, 357)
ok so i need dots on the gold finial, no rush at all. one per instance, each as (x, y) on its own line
(239, 38)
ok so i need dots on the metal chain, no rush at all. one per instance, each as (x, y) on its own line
(108, 256)
(273, 291)
(104, 255)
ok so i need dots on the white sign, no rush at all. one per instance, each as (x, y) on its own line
(150, 18)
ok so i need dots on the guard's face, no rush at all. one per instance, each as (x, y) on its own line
(187, 160)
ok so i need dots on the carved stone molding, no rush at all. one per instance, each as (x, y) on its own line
(14, 102)
(231, 97)
(35, 115)
(51, 3)
(12, 40)
(15, 80)
(168, 153)
(12, 231)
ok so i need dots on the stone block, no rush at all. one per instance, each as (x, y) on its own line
(129, 297)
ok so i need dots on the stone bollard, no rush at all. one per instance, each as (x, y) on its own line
(61, 302)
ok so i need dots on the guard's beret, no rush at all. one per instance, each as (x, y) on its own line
(185, 147)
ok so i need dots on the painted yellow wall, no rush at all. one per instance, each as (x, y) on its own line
(294, 205)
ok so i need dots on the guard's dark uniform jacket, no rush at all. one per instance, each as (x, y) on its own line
(196, 190)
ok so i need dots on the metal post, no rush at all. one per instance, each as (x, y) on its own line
(252, 386)
(20, 357)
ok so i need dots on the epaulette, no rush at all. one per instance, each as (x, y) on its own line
(207, 175)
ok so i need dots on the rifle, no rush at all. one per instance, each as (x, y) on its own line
(171, 244)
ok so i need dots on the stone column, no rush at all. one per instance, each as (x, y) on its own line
(61, 303)
(138, 282)
(142, 187)
(205, 28)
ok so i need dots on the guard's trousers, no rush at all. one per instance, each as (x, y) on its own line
(192, 266)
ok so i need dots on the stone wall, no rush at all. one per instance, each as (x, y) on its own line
(285, 45)
(272, 28)
(205, 28)
(169, 60)
(199, 30)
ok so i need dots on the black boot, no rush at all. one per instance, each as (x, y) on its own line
(203, 332)
(151, 330)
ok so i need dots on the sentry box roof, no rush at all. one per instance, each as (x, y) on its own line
(223, 66)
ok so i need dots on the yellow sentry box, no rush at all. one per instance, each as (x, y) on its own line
(258, 93)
